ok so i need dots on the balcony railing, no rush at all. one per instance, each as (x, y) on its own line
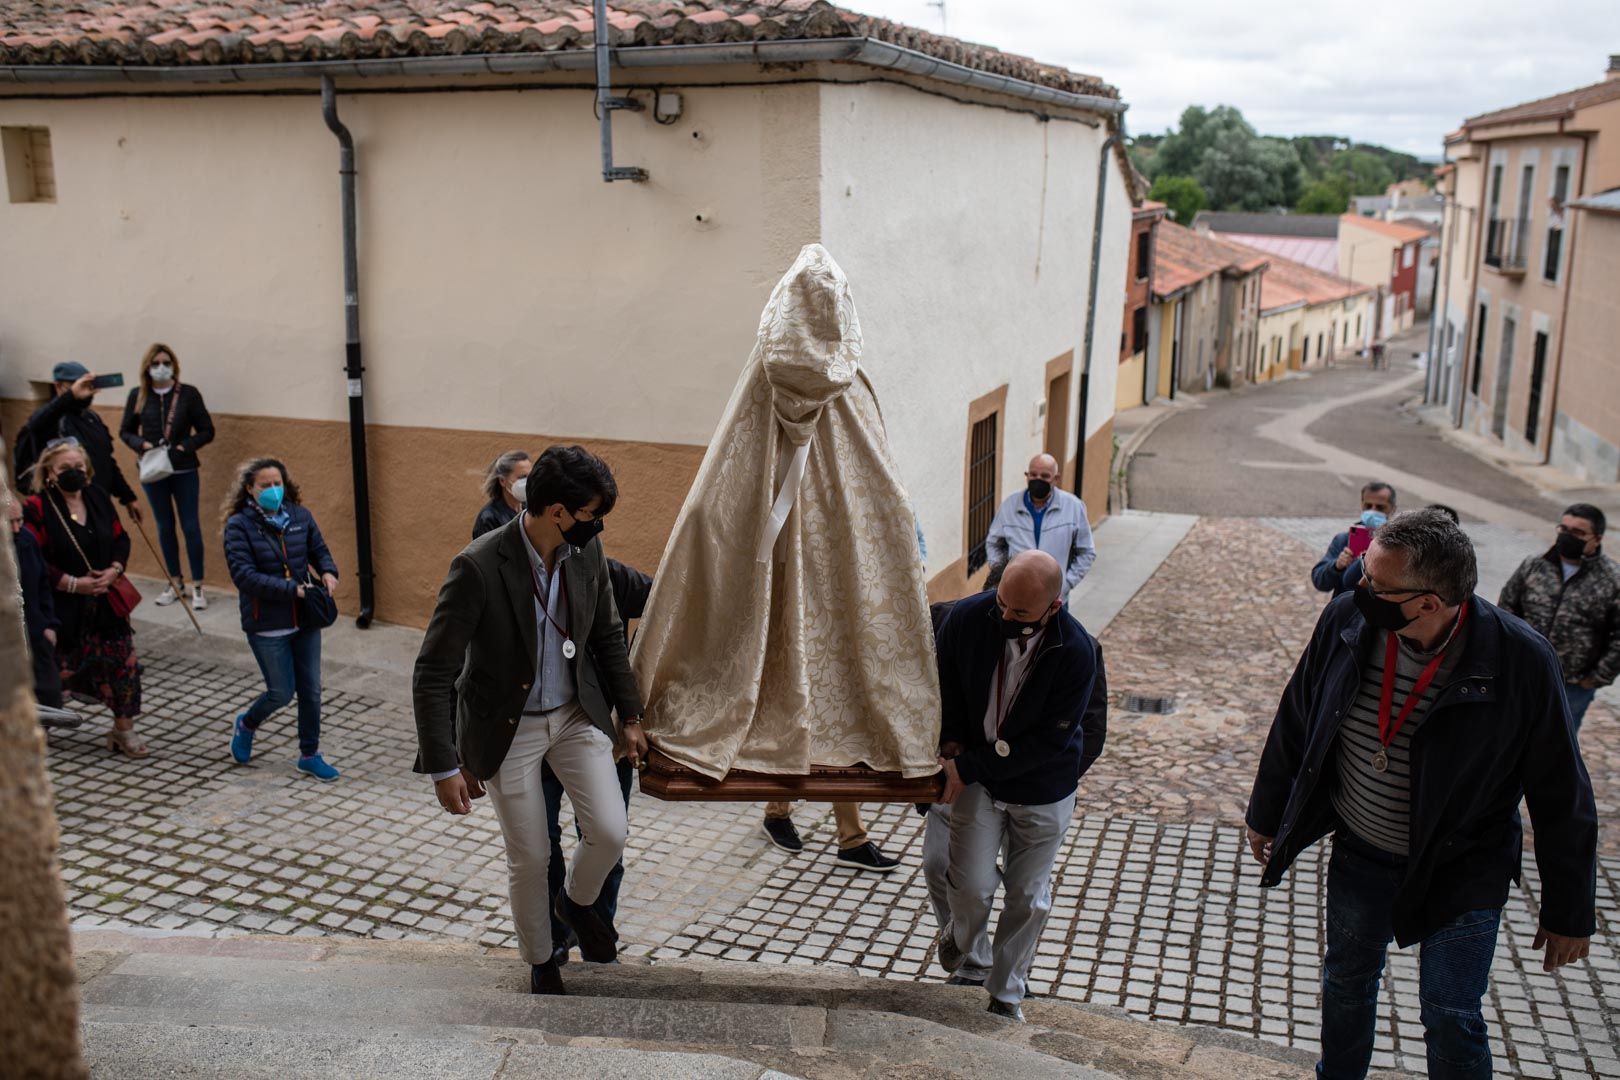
(1506, 241)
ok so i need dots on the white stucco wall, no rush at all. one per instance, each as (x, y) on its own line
(966, 234)
(504, 286)
(1112, 268)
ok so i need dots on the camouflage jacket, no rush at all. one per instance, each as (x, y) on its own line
(1581, 616)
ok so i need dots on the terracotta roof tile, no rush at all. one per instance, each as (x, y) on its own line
(1287, 283)
(1391, 229)
(1549, 108)
(1182, 257)
(119, 33)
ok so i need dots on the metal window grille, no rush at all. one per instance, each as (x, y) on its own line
(981, 489)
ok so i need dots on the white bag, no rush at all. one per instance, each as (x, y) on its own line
(155, 465)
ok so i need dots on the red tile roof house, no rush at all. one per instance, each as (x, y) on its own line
(1207, 295)
(1385, 255)
(172, 178)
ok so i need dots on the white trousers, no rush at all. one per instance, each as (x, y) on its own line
(582, 758)
(1027, 838)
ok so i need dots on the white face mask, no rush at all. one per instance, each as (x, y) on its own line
(519, 490)
(161, 373)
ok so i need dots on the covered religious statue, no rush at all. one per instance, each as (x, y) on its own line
(788, 626)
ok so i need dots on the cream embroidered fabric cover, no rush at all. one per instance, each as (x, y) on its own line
(769, 651)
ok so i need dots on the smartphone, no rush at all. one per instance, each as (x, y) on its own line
(103, 382)
(1360, 540)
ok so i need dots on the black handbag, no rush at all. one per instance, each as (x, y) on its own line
(316, 608)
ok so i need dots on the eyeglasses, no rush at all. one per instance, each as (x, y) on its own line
(66, 440)
(1367, 582)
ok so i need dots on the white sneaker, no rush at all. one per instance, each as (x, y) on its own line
(198, 601)
(166, 597)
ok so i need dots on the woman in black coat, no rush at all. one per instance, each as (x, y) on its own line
(164, 413)
(503, 487)
(86, 549)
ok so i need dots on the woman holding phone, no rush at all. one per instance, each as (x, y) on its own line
(86, 549)
(274, 550)
(166, 422)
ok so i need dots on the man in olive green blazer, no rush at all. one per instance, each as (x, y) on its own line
(527, 613)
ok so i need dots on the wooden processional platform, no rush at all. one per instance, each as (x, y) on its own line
(665, 779)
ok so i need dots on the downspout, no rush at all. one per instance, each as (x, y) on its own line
(351, 350)
(1108, 145)
(606, 103)
(1446, 265)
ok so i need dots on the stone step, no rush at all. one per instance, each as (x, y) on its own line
(162, 1048)
(814, 1022)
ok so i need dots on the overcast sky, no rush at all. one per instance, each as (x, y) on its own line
(1397, 73)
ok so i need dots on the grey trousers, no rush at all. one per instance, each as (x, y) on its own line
(936, 862)
(1028, 838)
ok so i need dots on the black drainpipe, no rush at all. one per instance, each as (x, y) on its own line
(1091, 301)
(351, 349)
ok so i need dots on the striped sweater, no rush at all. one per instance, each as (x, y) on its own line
(1374, 805)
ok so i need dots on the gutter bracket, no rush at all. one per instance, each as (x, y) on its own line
(607, 104)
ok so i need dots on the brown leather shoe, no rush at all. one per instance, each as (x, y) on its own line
(598, 944)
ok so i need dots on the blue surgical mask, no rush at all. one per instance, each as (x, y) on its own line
(270, 498)
(1373, 519)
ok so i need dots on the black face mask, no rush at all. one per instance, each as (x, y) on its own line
(1012, 629)
(1040, 489)
(1383, 614)
(581, 533)
(1570, 547)
(71, 480)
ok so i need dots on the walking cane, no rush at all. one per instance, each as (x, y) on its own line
(179, 589)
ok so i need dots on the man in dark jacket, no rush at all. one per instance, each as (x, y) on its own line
(68, 415)
(630, 591)
(1416, 720)
(1015, 675)
(1340, 568)
(1571, 594)
(528, 637)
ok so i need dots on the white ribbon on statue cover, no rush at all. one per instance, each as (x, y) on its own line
(784, 502)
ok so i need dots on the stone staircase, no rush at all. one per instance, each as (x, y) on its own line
(251, 1007)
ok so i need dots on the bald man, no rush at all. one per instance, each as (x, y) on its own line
(1042, 517)
(1016, 673)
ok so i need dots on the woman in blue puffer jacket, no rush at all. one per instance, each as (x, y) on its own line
(273, 547)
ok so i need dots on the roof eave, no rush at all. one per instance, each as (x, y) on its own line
(866, 51)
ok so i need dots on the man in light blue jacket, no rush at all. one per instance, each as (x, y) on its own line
(1042, 517)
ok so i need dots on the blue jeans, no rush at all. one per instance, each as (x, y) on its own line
(1454, 966)
(1579, 699)
(177, 493)
(291, 665)
(556, 870)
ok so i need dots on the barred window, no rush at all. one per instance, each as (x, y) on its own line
(981, 511)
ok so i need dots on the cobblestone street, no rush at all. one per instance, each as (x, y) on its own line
(1157, 909)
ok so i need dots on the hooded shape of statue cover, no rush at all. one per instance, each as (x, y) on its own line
(788, 625)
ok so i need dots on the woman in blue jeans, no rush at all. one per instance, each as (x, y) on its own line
(273, 547)
(163, 413)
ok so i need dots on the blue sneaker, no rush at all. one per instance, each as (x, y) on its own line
(241, 741)
(316, 766)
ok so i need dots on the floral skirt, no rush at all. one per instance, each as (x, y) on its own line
(105, 668)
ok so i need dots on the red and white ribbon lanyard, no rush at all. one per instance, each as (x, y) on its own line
(568, 649)
(1386, 698)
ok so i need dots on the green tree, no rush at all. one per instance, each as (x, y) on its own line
(1364, 171)
(1329, 196)
(1182, 195)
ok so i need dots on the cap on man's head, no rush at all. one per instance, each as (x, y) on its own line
(68, 371)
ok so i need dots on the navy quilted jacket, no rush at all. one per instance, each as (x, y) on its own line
(254, 552)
